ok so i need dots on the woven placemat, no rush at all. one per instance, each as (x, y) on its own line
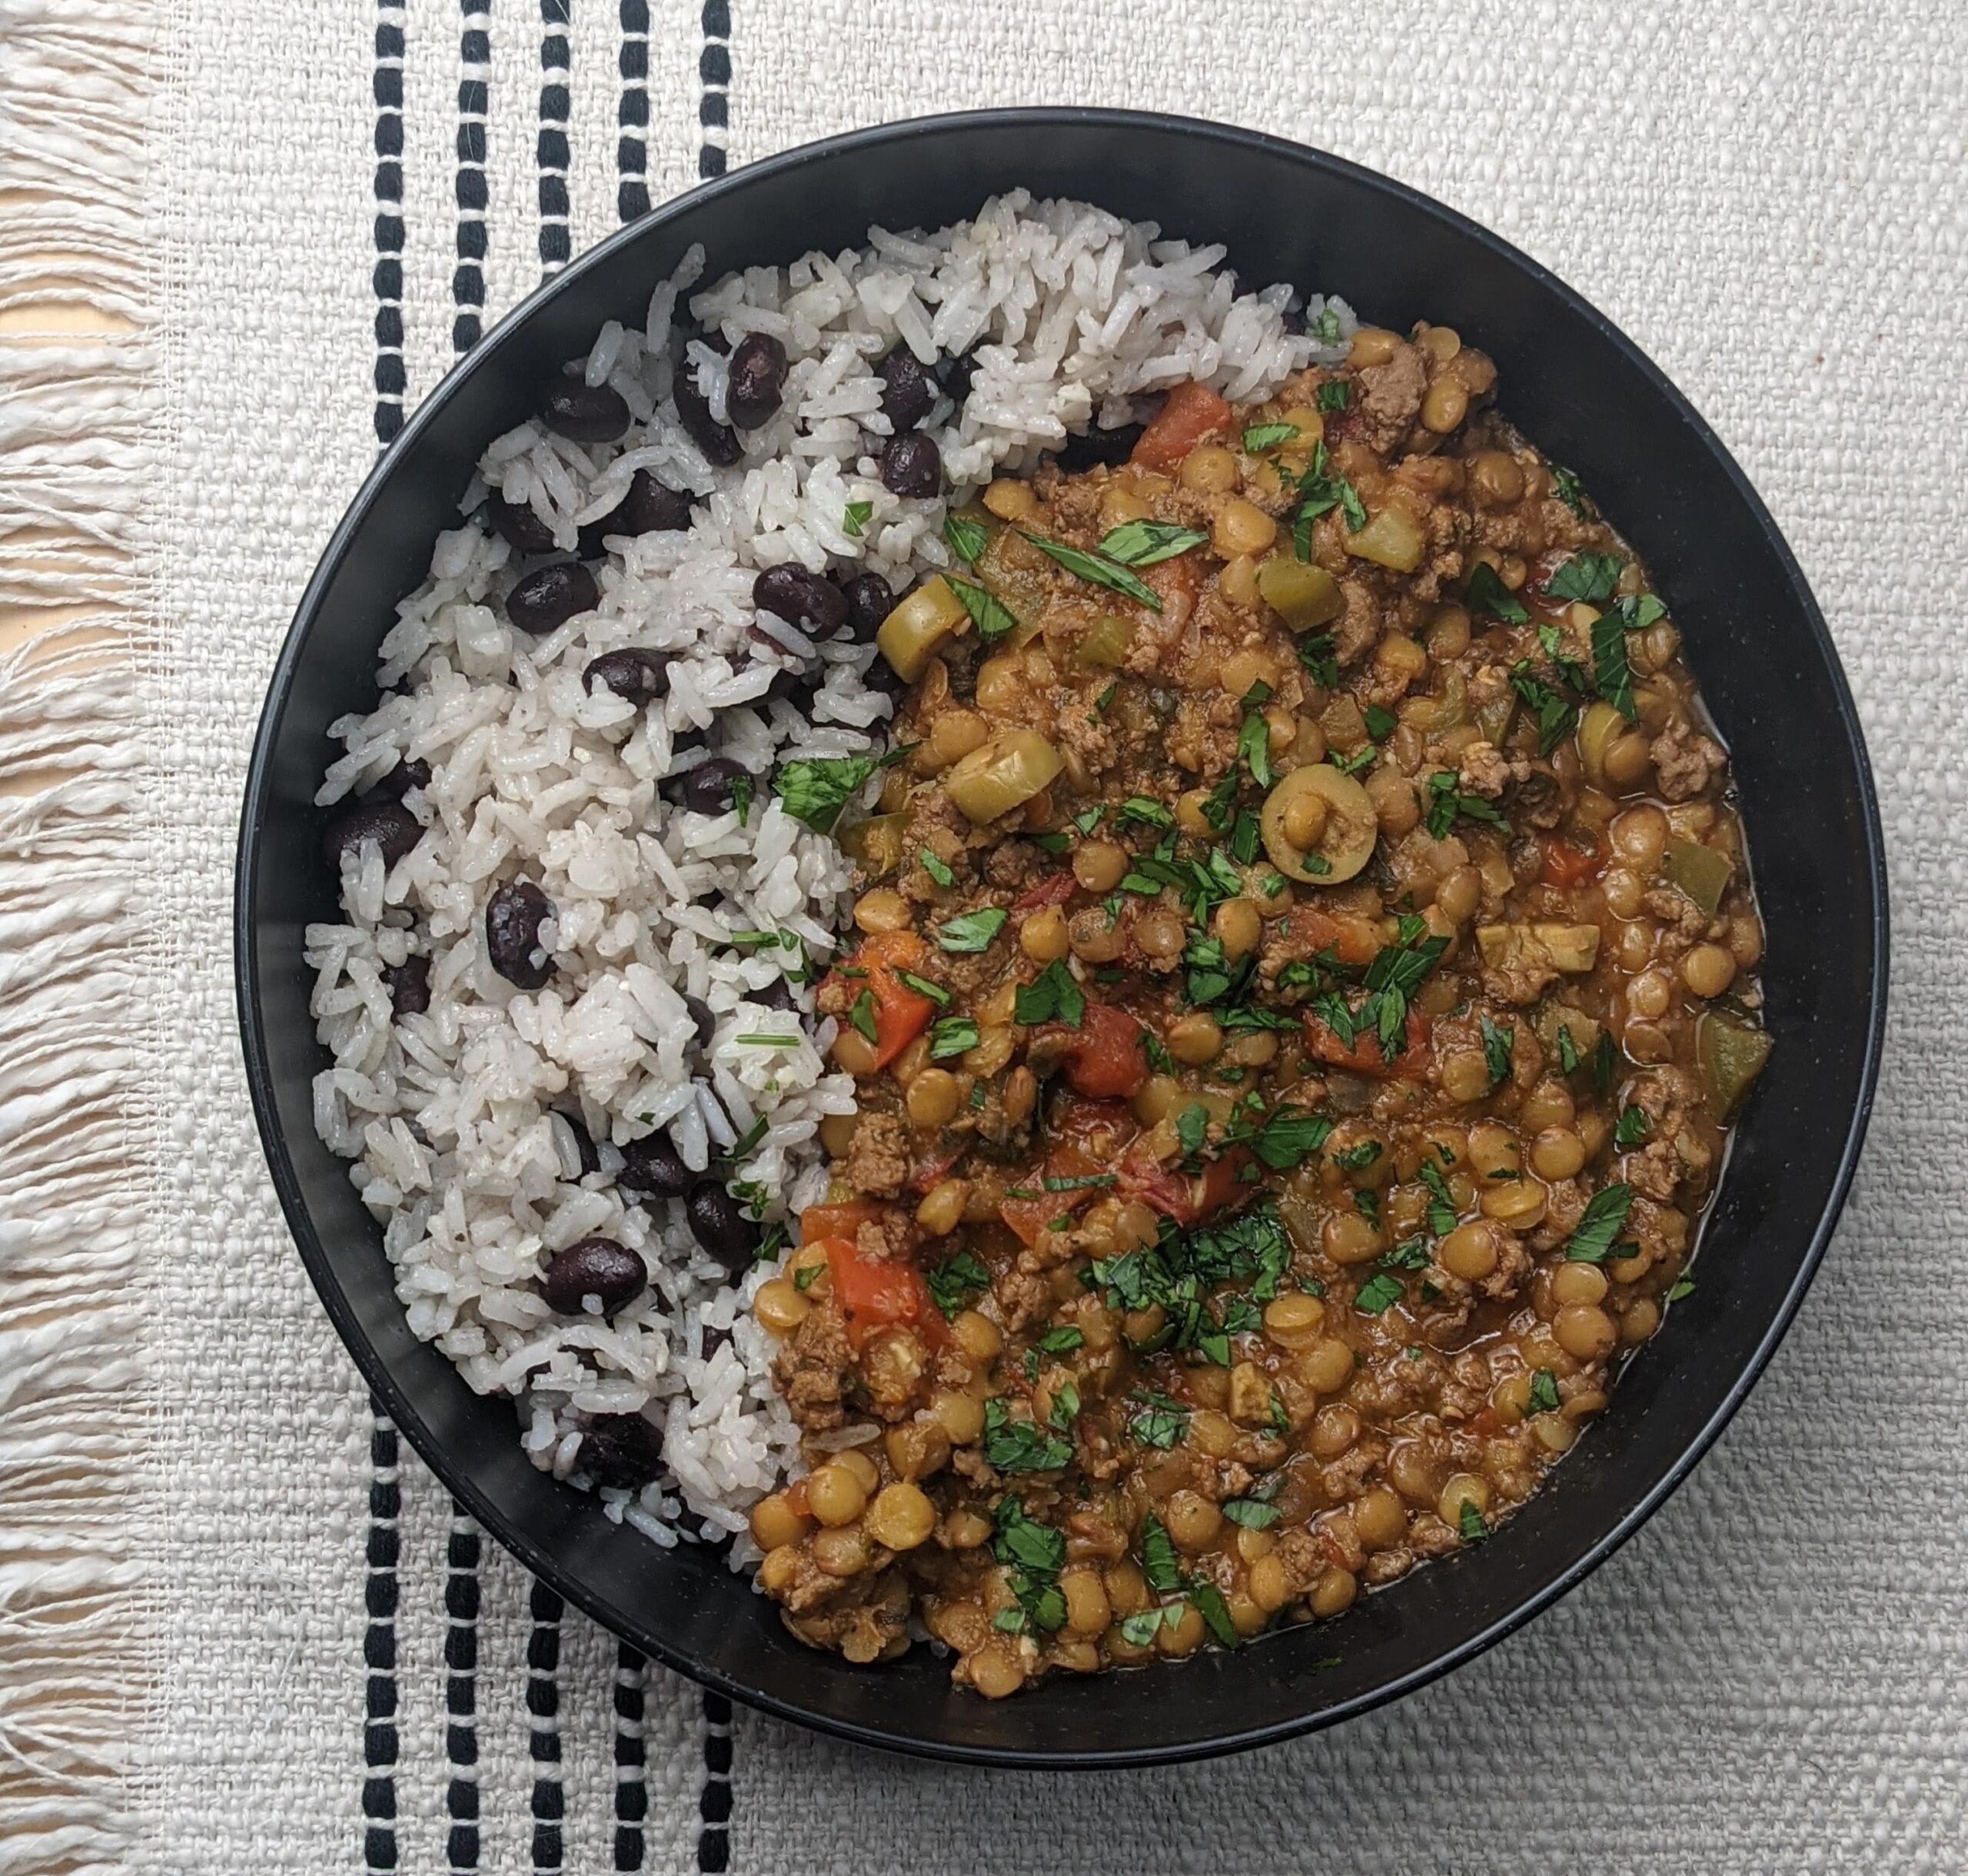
(240, 1628)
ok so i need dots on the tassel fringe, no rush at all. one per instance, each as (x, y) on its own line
(76, 415)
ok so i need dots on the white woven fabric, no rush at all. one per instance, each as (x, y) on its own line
(1773, 1675)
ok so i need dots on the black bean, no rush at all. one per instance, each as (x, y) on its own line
(870, 599)
(651, 1165)
(409, 985)
(585, 413)
(621, 1449)
(955, 375)
(883, 675)
(389, 823)
(593, 1267)
(706, 789)
(720, 444)
(718, 1222)
(584, 1145)
(912, 465)
(797, 686)
(1111, 447)
(710, 1340)
(520, 525)
(809, 601)
(548, 598)
(758, 376)
(641, 677)
(398, 783)
(909, 393)
(589, 543)
(652, 507)
(701, 1017)
(777, 994)
(513, 916)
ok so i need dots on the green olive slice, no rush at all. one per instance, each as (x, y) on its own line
(1006, 774)
(1346, 841)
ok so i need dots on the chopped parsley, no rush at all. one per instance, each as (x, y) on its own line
(1061, 1341)
(1051, 996)
(1098, 569)
(803, 1278)
(1357, 1158)
(1033, 1555)
(743, 789)
(1149, 813)
(1591, 577)
(1159, 1568)
(1447, 801)
(1262, 436)
(1245, 834)
(1612, 675)
(1381, 722)
(1397, 972)
(1599, 1225)
(1157, 1422)
(1018, 1445)
(855, 516)
(973, 932)
(936, 869)
(1318, 653)
(1544, 1391)
(1469, 1521)
(967, 539)
(1441, 1202)
(951, 1036)
(1141, 1628)
(1332, 395)
(1378, 1294)
(1288, 1138)
(1192, 1127)
(1567, 487)
(923, 987)
(1605, 1064)
(862, 1015)
(1486, 592)
(1634, 1125)
(1684, 1286)
(1254, 748)
(814, 789)
(1143, 543)
(1556, 714)
(1497, 1044)
(1323, 489)
(955, 1281)
(1568, 1050)
(1362, 758)
(1208, 1601)
(991, 615)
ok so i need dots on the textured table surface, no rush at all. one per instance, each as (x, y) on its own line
(270, 1649)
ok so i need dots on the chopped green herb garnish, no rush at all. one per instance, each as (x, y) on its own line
(1357, 1158)
(1592, 577)
(1098, 569)
(1288, 1138)
(968, 539)
(1684, 1286)
(1149, 813)
(855, 516)
(1497, 1044)
(1158, 1563)
(1254, 749)
(951, 1036)
(1262, 436)
(1362, 758)
(1332, 395)
(1441, 1201)
(1469, 1521)
(973, 932)
(955, 1281)
(1061, 1341)
(1634, 1125)
(923, 987)
(1557, 716)
(1105, 697)
(1192, 1127)
(1381, 722)
(815, 789)
(862, 1015)
(1051, 996)
(1018, 1445)
(1487, 593)
(1605, 1212)
(1566, 486)
(1447, 800)
(1208, 1603)
(1141, 1628)
(991, 617)
(1160, 1422)
(1605, 1064)
(1318, 653)
(936, 869)
(1143, 544)
(1568, 1050)
(743, 789)
(1544, 1391)
(1378, 1294)
(1612, 674)
(804, 1278)
(758, 1039)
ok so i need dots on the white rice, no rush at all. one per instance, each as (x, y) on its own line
(450, 1118)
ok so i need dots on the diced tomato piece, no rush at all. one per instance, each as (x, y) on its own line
(1187, 1197)
(844, 1220)
(1193, 414)
(1029, 1217)
(1364, 1056)
(1105, 1059)
(1351, 941)
(926, 1172)
(900, 1014)
(1566, 864)
(874, 1293)
(1054, 890)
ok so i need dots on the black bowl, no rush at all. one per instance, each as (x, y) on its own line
(1585, 394)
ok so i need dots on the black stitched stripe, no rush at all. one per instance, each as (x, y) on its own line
(542, 1708)
(474, 73)
(632, 114)
(461, 1691)
(714, 76)
(631, 1785)
(388, 84)
(555, 73)
(380, 1743)
(714, 1801)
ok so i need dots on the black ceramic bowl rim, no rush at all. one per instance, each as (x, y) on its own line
(321, 1265)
